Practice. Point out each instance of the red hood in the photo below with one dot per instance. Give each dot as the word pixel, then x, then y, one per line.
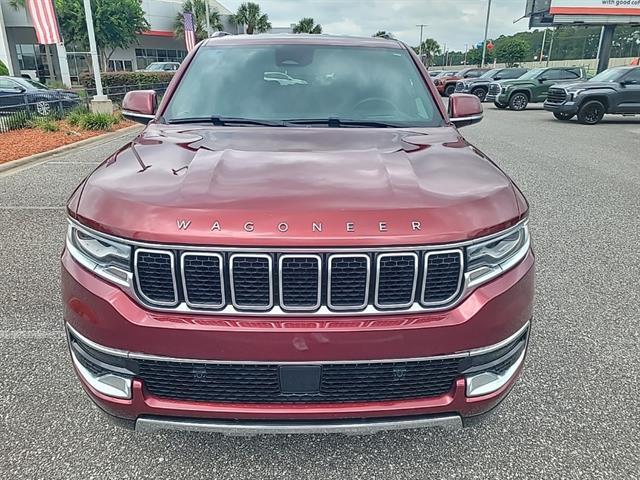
pixel 291 178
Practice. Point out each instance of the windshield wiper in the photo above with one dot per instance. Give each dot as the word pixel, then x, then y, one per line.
pixel 338 122
pixel 222 121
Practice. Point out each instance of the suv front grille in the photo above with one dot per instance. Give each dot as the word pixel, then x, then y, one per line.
pixel 494 89
pixel 295 282
pixel 556 95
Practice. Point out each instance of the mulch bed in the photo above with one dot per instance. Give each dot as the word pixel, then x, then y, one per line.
pixel 29 141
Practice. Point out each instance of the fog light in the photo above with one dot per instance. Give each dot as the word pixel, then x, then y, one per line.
pixel 108 384
pixel 484 383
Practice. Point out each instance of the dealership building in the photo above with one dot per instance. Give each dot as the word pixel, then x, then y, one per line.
pixel 20 51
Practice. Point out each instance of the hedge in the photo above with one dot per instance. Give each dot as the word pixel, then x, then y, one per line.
pixel 120 79
pixel 3 69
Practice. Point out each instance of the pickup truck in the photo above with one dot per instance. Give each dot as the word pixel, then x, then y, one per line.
pixel 616 90
pixel 532 87
pixel 446 84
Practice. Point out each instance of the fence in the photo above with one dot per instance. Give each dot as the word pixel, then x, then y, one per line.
pixel 18 108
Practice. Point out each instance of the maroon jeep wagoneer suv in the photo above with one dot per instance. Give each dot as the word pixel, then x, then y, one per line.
pixel 299 241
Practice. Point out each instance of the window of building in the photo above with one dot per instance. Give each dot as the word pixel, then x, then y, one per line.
pixel 146 56
pixel 120 66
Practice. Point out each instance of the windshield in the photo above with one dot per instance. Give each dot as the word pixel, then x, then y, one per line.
pixel 304 82
pixel 155 66
pixel 610 75
pixel 490 73
pixel 531 73
pixel 31 84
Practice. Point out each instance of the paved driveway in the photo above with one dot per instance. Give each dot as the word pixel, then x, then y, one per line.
pixel 573 415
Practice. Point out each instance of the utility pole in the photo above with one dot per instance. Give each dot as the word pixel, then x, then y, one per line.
pixel 544 40
pixel 486 31
pixel 466 49
pixel 553 35
pixel 421 25
pixel 100 102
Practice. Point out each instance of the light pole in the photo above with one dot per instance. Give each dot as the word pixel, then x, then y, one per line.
pixel 100 102
pixel 486 31
pixel 421 25
pixel 206 8
pixel 466 49
pixel 544 39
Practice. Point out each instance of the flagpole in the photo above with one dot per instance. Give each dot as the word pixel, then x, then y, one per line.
pixel 100 102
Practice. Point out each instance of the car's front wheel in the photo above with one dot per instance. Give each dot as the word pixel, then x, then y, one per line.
pixel 449 90
pixel 591 112
pixel 563 116
pixel 479 92
pixel 518 101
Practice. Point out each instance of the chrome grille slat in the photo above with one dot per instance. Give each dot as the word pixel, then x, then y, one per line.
pixel 348 281
pixel 367 281
pixel 300 280
pixel 251 281
pixel 203 279
pixel 440 286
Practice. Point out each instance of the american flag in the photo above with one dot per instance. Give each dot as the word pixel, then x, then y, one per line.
pixel 189 34
pixel 44 21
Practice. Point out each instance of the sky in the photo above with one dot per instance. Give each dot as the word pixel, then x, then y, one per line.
pixel 451 22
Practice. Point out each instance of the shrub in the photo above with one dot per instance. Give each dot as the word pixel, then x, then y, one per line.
pixel 121 79
pixel 43 123
pixel 3 69
pixel 56 85
pixel 97 121
pixel 74 117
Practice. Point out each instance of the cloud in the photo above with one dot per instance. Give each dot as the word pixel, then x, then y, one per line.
pixel 451 22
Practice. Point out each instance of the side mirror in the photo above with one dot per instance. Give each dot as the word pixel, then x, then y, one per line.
pixel 464 109
pixel 542 79
pixel 140 106
pixel 624 83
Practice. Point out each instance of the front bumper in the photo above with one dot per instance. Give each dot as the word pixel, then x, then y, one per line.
pixel 570 108
pixel 102 315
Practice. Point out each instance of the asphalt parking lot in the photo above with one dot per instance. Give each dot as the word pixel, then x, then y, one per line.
pixel 574 414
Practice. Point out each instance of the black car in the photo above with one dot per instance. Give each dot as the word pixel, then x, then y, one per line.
pixel 480 86
pixel 23 94
pixel 615 91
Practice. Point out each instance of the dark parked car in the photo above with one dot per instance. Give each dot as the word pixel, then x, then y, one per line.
pixel 480 86
pixel 616 90
pixel 23 94
pixel 446 84
pixel 532 87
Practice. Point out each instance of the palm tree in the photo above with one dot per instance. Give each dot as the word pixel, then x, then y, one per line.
pixel 306 25
pixel 252 18
pixel 430 48
pixel 199 9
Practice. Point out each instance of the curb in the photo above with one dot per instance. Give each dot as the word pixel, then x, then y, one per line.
pixel 43 157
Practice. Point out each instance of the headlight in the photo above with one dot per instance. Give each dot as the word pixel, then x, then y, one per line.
pixel 436 82
pixel 107 258
pixel 490 258
pixel 505 88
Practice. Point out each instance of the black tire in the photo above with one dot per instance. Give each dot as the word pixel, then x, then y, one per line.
pixel 563 116
pixel 591 112
pixel 518 101
pixel 501 106
pixel 479 92
pixel 449 90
